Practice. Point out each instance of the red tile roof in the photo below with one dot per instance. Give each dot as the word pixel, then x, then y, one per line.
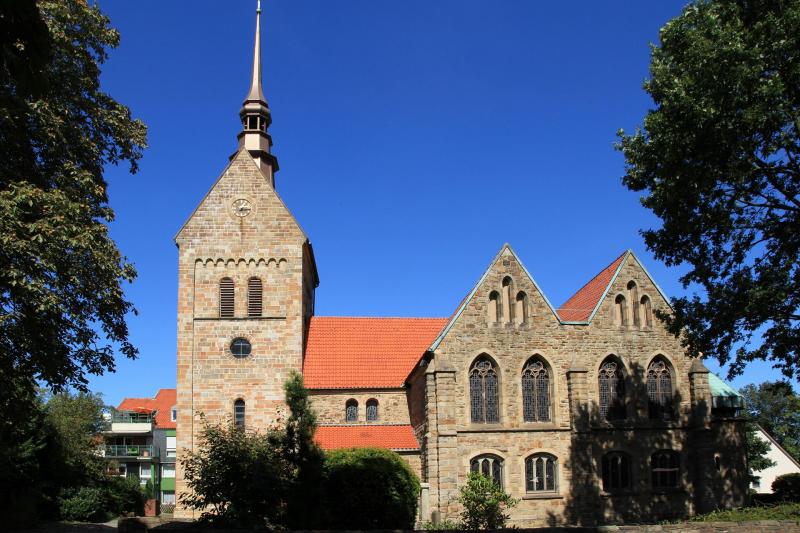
pixel 580 306
pixel 389 437
pixel 365 353
pixel 163 403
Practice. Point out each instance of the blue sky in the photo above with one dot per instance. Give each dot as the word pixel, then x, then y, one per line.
pixel 414 139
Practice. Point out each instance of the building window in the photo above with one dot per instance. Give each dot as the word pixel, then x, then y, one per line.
pixel 535 392
pixel 254 306
pixel 351 411
pixel 633 296
pixel 612 391
pixel 240 347
pixel 647 312
pixel 494 307
pixel 541 473
pixel 145 472
pixel 226 298
pixel 506 318
pixel 171 446
pixel 168 497
pixel 616 472
pixel 490 466
pixel 521 308
pixel 238 413
pixel 483 392
pixel 659 390
pixel 173 414
pixel 664 469
pixel 372 410
pixel 167 471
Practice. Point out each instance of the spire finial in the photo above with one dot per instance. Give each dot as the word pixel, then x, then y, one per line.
pixel 256 92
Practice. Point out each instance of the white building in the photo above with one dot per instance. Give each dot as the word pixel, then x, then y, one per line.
pixel 784 464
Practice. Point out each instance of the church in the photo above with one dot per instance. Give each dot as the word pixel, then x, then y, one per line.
pixel 586 412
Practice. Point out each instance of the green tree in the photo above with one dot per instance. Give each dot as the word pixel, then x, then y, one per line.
pixel 485 503
pixel 62 307
pixel 718 161
pixel 757 449
pixel 776 408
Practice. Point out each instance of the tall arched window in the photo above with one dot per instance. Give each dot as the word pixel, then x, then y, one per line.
pixel 620 311
pixel 616 471
pixel 490 466
pixel 659 389
pixel 612 390
pixel 633 296
pixel 238 413
pixel 506 300
pixel 521 308
pixel 351 410
pixel 664 469
pixel 647 312
pixel 372 410
pixel 494 307
pixel 541 473
pixel 484 392
pixel 226 298
pixel 254 305
pixel 535 391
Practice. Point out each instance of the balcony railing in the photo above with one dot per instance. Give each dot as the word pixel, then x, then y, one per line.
pixel 130 450
pixel 128 417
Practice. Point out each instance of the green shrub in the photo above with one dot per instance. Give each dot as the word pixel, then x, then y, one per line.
pixel 124 496
pixel 787 487
pixel 484 502
pixel 84 504
pixel 443 525
pixel 369 488
pixel 149 491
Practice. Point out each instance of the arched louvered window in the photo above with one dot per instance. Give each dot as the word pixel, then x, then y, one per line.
pixel 506 319
pixel 521 308
pixel 494 307
pixel 612 390
pixel 621 311
pixel 484 392
pixel 351 411
pixel 647 312
pixel 226 298
pixel 490 466
pixel 633 296
pixel 535 391
pixel 254 305
pixel 372 410
pixel 616 472
pixel 238 413
pixel 659 389
pixel 541 473
pixel 664 469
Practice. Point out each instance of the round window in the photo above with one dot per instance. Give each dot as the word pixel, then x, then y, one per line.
pixel 240 347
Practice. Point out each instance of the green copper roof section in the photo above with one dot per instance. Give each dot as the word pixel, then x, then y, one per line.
pixel 720 388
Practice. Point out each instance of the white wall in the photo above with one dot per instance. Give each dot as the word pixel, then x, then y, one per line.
pixel 783 465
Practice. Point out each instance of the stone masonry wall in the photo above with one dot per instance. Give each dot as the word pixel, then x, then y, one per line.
pixel 392 405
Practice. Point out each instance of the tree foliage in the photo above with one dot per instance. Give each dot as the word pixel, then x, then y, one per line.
pixel 787 487
pixel 717 161
pixel 485 503
pixel 757 450
pixel 62 307
pixel 776 408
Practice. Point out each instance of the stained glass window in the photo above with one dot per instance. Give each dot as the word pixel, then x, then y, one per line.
pixel 351 411
pixel 484 392
pixel 616 472
pixel 541 471
pixel 238 413
pixel 372 410
pixel 490 466
pixel 535 392
pixel 659 390
pixel 664 469
pixel 612 391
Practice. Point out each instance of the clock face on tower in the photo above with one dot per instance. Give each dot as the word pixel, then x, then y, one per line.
pixel 241 207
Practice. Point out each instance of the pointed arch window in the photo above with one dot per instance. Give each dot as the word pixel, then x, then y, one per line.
pixel 254 297
pixel 490 466
pixel 494 307
pixel 612 390
pixel 535 391
pixel 541 473
pixel 659 390
pixel 238 413
pixel 351 410
pixel 521 308
pixel 621 310
pixel 647 312
pixel 372 410
pixel 664 469
pixel 616 472
pixel 484 392
pixel 226 301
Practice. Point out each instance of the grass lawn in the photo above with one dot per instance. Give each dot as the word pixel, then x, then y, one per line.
pixel 783 511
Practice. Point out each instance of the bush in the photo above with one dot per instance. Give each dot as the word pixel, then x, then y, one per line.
pixel 787 487
pixel 484 502
pixel 84 504
pixel 124 496
pixel 369 488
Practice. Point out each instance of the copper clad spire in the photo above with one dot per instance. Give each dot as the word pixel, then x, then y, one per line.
pixel 255 115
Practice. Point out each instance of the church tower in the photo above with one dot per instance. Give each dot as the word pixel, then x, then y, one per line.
pixel 246 282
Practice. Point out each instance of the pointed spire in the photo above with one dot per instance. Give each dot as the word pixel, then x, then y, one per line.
pixel 255 115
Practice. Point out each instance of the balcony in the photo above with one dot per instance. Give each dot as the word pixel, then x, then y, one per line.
pixel 129 451
pixel 125 422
